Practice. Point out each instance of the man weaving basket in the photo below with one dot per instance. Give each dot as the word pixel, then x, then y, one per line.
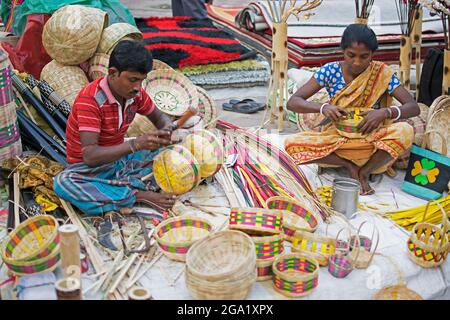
pixel 105 171
pixel 357 83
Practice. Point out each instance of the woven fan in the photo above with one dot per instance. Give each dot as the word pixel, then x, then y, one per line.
pixel 171 91
pixel 206 108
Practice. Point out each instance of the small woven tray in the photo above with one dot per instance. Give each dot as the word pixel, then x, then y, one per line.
pixel 256 220
pixel 176 235
pixel 397 292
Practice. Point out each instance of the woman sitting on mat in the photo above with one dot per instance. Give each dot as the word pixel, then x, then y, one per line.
pixel 355 83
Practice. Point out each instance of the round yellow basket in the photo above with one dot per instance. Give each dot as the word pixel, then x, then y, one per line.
pixel 72 34
pixel 176 235
pixel 207 149
pixel 176 170
pixel 116 32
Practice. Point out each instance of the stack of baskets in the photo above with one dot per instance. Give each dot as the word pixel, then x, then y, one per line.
pixel 221 266
pixel 265 228
pixel 33 247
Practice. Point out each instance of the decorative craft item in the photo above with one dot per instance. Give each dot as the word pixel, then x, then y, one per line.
pixel 171 91
pixel 68 81
pixel 280 11
pixel 207 149
pixel 428 172
pixel 295 216
pixel 33 246
pixel 267 249
pixel 428 244
pixel 72 34
pixel 295 274
pixel 116 32
pixel 256 220
pixel 176 235
pixel 320 247
pixel 362 249
pixel 176 170
pixel 348 127
pixel 206 108
pixel 221 266
pixel 406 10
pixel 140 125
pixel 98 66
pixel 340 265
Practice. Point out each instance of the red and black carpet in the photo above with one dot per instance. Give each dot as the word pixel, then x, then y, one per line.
pixel 183 41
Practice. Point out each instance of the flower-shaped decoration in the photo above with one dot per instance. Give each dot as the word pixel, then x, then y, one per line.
pixel 425 171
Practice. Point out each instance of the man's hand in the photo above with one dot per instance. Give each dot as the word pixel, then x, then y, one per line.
pixel 332 112
pixel 372 120
pixel 154 140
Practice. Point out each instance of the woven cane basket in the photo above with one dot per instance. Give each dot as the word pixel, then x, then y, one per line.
pixel 33 246
pixel 264 270
pixel 66 80
pixel 116 32
pixel 176 235
pixel 349 128
pixel 362 248
pixel 428 244
pixel 6 89
pixel 159 65
pixel 10 142
pixel 295 216
pixel 72 34
pixel 206 108
pixel 171 91
pixel 207 149
pixel 319 247
pixel 98 66
pixel 176 170
pixel 140 125
pixel 256 221
pixel 295 274
pixel 397 292
pixel 221 266
pixel 439 119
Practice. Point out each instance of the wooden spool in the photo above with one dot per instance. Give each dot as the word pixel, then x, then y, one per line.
pixel 139 293
pixel 68 289
pixel 70 250
pixel 446 74
pixel 405 61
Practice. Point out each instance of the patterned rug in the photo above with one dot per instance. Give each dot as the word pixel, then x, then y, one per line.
pixel 183 41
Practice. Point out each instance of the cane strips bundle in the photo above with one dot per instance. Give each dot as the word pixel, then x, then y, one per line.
pixel 295 274
pixel 176 235
pixel 33 246
pixel 363 8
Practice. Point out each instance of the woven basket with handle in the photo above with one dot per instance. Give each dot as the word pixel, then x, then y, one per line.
pixel 221 266
pixel 72 34
pixel 116 32
pixel 68 81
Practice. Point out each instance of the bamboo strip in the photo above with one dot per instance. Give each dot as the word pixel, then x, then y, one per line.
pixel 143 272
pixel 16 178
pixel 146 256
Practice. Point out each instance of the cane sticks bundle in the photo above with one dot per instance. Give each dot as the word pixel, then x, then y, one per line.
pixel 406 10
pixel 363 8
pixel 280 12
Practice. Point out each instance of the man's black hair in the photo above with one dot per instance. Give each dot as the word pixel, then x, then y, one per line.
pixel 130 55
pixel 359 33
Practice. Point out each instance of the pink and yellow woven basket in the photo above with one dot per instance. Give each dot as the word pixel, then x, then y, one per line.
pixel 256 220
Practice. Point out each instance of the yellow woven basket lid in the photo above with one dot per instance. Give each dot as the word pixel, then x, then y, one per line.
pixel 72 34
pixel 176 170
pixel 116 32
pixel 66 80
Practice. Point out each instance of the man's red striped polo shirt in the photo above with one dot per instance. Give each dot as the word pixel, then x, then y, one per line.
pixel 96 110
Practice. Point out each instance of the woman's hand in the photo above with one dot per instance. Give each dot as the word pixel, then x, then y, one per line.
pixel 372 120
pixel 333 112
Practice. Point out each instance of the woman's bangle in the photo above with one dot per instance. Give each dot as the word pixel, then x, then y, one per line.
pixel 399 112
pixel 322 106
pixel 389 111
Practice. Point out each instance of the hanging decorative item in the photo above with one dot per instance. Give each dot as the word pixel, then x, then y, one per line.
pixel 406 10
pixel 442 9
pixel 280 11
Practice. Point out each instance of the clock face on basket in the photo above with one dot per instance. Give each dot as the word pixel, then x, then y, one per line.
pixel 171 91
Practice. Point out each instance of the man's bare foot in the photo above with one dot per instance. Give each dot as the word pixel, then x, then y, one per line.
pixel 158 201
pixel 366 189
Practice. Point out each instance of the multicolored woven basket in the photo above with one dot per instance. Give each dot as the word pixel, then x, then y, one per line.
pixel 268 247
pixel 6 89
pixel 176 170
pixel 256 220
pixel 264 269
pixel 33 246
pixel 98 66
pixel 295 274
pixel 176 235
pixel 339 266
pixel 349 128
pixel 295 216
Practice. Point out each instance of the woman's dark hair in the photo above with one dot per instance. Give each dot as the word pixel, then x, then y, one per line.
pixel 359 33
pixel 129 55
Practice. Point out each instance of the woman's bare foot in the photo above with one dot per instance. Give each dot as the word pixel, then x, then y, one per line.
pixel 353 171
pixel 158 201
pixel 366 189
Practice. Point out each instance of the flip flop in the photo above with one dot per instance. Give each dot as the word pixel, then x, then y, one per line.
pixel 261 106
pixel 241 107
